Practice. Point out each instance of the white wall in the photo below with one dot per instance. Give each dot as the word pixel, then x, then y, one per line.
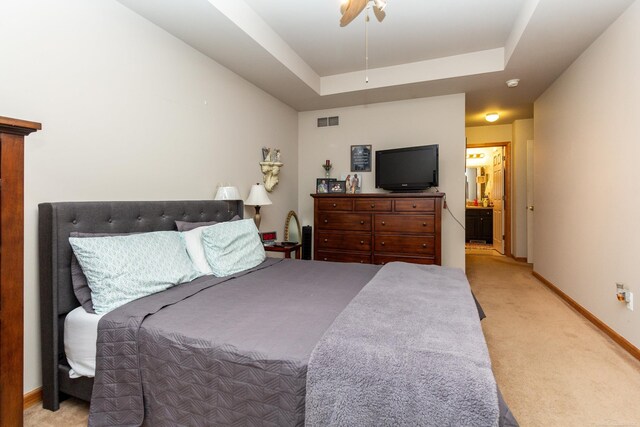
pixel 128 113
pixel 587 149
pixel 522 131
pixel 437 120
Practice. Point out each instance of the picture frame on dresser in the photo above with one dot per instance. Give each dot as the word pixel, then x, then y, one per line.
pixel 337 187
pixel 322 185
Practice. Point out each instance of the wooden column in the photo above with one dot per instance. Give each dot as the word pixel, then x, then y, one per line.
pixel 12 133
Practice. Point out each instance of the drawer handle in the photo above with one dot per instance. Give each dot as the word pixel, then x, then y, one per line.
pixel 383 223
pixel 424 224
pixel 362 242
pixel 373 205
pixel 334 205
pixel 424 245
pixel 362 222
pixel 326 240
pixel 325 259
pixel 361 262
pixel 414 206
pixel 382 243
pixel 326 221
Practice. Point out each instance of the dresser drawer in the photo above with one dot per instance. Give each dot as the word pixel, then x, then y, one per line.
pixel 335 205
pixel 373 205
pixel 344 221
pixel 405 223
pixel 343 257
pixel 420 245
pixel 385 259
pixel 415 205
pixel 344 241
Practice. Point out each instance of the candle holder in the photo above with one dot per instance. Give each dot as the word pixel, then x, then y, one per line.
pixel 327 169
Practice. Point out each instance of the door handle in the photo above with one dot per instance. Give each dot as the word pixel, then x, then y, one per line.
pixel 530 208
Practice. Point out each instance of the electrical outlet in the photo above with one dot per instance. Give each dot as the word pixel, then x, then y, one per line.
pixel 629 299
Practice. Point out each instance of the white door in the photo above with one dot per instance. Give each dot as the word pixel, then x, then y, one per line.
pixel 497 195
pixel 530 204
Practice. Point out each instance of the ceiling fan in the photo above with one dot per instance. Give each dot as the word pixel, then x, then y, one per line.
pixel 352 8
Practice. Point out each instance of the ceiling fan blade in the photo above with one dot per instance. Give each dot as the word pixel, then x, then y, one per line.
pixel 353 9
pixel 380 14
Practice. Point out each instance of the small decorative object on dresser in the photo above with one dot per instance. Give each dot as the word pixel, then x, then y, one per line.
pixel 327 168
pixel 378 228
pixel 353 182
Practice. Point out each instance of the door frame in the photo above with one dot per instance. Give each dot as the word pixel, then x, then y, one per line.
pixel 507 187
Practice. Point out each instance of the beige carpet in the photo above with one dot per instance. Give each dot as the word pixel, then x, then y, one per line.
pixel 553 367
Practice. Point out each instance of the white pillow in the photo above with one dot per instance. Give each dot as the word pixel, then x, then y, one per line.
pixel 193 241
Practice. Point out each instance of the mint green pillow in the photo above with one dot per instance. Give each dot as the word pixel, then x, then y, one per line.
pixel 120 269
pixel 233 246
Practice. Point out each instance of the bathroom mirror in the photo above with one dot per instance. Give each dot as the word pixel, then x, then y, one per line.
pixel 292 228
pixel 477 179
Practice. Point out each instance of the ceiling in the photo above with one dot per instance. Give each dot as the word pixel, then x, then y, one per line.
pixel 296 50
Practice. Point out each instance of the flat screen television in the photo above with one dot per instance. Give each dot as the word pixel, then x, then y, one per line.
pixel 407 169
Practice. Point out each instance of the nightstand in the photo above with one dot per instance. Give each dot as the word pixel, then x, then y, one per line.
pixel 286 249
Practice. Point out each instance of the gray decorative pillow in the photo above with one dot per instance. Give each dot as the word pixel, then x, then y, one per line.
pixel 188 226
pixel 78 279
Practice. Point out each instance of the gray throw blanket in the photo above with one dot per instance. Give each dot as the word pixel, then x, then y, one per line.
pixel 407 351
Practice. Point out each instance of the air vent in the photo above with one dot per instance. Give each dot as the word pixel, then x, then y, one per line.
pixel 328 121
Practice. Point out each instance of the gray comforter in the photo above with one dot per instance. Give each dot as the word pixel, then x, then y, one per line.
pixel 220 351
pixel 407 351
pixel 223 351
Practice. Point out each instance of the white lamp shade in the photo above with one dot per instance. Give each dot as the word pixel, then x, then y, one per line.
pixel 228 193
pixel 257 196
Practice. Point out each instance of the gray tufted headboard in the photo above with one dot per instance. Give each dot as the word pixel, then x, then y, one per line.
pixel 56 222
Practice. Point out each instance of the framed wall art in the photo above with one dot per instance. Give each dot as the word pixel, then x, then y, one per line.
pixel 361 158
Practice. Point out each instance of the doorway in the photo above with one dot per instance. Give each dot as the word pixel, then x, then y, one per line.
pixel 488 198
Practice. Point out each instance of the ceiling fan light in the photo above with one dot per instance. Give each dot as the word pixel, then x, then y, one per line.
pixel 492 117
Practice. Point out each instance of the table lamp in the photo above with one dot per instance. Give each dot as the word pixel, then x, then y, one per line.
pixel 229 192
pixel 257 198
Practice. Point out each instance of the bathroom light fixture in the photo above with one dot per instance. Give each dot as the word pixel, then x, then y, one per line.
pixel 492 117
pixel 475 156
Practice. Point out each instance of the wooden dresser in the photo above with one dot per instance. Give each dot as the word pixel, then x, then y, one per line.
pixel 12 133
pixel 378 228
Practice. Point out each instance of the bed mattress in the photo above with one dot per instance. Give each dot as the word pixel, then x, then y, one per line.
pixel 80 335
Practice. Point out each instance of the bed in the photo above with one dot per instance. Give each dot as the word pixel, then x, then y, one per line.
pixel 255 348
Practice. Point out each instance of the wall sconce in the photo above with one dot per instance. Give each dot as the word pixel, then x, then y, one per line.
pixel 257 198
pixel 270 170
pixel 492 117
